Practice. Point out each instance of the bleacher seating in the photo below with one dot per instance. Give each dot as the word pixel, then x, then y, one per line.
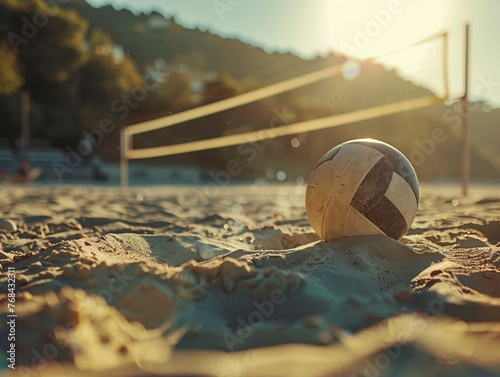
pixel 50 162
pixel 43 159
pixel 8 161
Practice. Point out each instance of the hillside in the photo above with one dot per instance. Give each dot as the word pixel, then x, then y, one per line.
pixel 204 51
pixel 201 67
pixel 485 133
pixel 147 37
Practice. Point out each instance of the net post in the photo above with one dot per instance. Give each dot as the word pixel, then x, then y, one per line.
pixel 123 158
pixel 445 66
pixel 465 163
pixel 25 119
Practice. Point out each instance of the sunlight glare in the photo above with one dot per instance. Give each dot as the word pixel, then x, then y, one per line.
pixel 377 29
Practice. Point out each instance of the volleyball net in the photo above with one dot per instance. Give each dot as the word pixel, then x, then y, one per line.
pixel 408 79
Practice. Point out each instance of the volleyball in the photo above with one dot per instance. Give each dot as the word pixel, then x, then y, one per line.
pixel 362 187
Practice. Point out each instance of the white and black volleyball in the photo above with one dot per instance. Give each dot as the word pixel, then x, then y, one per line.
pixel 362 187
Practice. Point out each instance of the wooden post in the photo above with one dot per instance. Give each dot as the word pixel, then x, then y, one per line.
pixel 465 121
pixel 446 64
pixel 123 158
pixel 25 119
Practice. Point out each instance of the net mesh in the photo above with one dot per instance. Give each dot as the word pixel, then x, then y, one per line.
pixel 354 91
pixel 424 64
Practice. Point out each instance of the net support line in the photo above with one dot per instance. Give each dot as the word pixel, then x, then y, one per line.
pixel 289 129
pixel 239 100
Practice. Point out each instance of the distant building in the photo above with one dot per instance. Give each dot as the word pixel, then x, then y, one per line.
pixel 118 52
pixel 158 22
pixel 197 78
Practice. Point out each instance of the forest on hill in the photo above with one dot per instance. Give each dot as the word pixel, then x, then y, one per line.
pixel 82 64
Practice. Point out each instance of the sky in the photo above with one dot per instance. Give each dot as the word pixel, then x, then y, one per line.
pixel 360 28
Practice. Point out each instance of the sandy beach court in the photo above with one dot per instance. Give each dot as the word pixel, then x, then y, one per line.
pixel 193 281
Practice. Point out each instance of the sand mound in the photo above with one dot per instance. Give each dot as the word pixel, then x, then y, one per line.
pixel 145 295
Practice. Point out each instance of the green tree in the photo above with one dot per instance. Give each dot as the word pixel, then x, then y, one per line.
pixel 52 52
pixel 176 91
pixel 48 47
pixel 11 80
pixel 221 87
pixel 105 77
pixel 100 41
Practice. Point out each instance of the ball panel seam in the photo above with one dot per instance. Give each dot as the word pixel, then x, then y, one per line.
pixel 402 196
pixel 386 216
pixel 374 186
pixel 358 225
pixel 361 161
pixel 400 163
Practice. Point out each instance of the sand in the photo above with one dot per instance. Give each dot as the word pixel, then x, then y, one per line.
pixel 190 281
